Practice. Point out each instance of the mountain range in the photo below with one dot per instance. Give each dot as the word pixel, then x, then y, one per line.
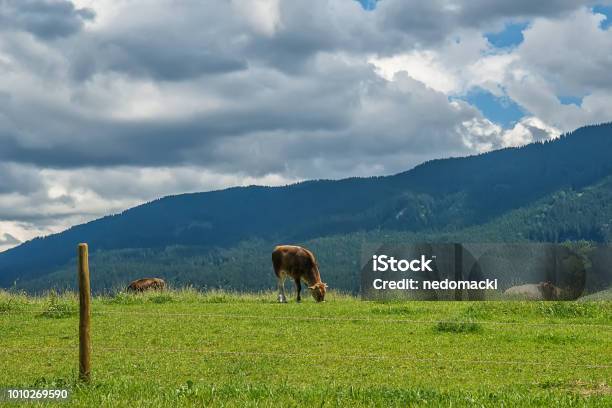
pixel 547 191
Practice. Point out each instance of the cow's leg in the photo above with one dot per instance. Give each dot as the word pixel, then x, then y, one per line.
pixel 282 298
pixel 298 288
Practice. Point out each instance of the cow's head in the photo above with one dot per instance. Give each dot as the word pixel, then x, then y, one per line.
pixel 318 291
pixel 550 291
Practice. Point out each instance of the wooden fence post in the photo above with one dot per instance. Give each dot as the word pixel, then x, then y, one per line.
pixel 84 315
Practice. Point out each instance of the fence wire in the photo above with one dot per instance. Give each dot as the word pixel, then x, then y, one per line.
pixel 301 356
pixel 321 318
pixel 140 350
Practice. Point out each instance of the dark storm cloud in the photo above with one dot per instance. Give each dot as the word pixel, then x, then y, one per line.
pixel 41 216
pixel 423 21
pixel 210 38
pixel 202 38
pixel 70 140
pixel 157 97
pixel 302 80
pixel 18 179
pixel 160 57
pixel 478 11
pixel 191 40
pixel 341 108
pixel 43 18
pixel 427 22
pixel 308 28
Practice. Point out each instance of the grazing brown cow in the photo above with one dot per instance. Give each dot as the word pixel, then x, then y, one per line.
pixel 300 264
pixel 144 284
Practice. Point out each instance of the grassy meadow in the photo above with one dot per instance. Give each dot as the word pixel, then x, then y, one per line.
pixel 189 348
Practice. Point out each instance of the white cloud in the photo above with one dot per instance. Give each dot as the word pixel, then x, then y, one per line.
pixel 99 113
pixel 420 65
pixel 552 62
pixel 65 197
pixel 573 54
pixel 527 130
pixel 262 15
pixel 564 57
pixel 448 68
pixel 7 240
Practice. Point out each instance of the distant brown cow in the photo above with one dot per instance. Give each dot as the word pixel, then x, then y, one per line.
pixel 145 284
pixel 300 264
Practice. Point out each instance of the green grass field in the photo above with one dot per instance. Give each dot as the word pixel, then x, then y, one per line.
pixel 186 348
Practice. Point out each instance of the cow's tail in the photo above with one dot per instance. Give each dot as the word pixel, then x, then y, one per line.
pixel 276 261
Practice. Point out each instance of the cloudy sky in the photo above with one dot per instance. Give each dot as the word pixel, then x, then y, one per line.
pixel 105 104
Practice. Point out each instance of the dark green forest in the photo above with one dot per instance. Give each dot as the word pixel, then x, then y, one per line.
pixel 555 191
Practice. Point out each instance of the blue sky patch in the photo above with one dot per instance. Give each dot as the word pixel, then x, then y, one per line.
pixel 570 100
pixel 510 36
pixel 501 110
pixel 368 4
pixel 607 11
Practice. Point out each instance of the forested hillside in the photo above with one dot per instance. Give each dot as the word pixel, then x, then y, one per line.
pixel 554 191
pixel 566 215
